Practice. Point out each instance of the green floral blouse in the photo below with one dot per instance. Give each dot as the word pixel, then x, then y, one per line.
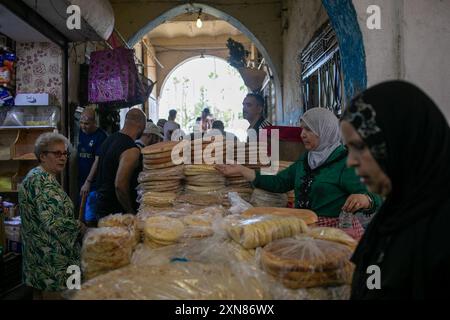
pixel 49 232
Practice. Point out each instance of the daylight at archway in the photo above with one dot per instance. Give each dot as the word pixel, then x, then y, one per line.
pixel 205 82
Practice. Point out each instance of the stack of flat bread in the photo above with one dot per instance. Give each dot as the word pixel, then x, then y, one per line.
pixel 307 262
pixel 105 249
pixel 203 200
pixel 203 179
pixel 161 179
pixel 126 221
pixel 162 231
pixel 203 150
pixel 333 234
pixel 262 198
pixel 256 232
pixel 237 183
pixel 198 225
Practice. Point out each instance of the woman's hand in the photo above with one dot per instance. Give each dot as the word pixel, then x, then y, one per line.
pixel 356 202
pixel 236 169
pixel 229 169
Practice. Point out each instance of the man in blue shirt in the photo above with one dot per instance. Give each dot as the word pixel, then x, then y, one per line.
pixel 90 140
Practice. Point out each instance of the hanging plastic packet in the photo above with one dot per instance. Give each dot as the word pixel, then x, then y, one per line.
pixel 345 220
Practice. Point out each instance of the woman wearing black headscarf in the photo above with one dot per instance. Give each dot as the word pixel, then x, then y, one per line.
pixel 399 144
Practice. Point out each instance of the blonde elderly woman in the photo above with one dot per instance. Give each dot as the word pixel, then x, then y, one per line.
pixel 320 178
pixel 49 229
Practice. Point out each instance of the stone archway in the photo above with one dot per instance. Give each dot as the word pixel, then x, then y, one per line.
pixel 176 11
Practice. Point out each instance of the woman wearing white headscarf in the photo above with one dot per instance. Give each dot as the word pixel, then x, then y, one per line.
pixel 320 178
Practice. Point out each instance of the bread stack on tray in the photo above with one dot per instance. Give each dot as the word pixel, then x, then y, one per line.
pixel 161 179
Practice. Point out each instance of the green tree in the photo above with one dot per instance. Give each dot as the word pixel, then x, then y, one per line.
pixel 184 108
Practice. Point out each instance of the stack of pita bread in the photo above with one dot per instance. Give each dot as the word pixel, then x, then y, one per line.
pixel 162 231
pixel 161 179
pixel 305 262
pixel 203 150
pixel 239 184
pixel 203 179
pixel 126 221
pixel 262 198
pixel 106 249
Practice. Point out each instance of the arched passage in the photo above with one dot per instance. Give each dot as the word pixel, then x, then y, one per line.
pixel 343 18
pixel 200 82
pixel 176 11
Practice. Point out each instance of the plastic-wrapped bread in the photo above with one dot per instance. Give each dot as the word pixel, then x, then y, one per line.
pixel 162 230
pixel 127 221
pixel 306 262
pixel 333 234
pixel 262 198
pixel 105 249
pixel 259 231
pixel 307 215
pixel 173 281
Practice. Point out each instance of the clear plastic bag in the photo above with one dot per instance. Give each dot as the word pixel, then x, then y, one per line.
pixel 105 249
pixel 262 198
pixel 127 221
pixel 305 262
pixel 259 231
pixel 238 205
pixel 173 281
pixel 333 234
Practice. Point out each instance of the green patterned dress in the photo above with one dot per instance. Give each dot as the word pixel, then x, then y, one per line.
pixel 49 232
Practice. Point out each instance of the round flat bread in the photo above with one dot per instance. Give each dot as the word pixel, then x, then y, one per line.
pixel 198 232
pixel 160 147
pixel 207 184
pixel 304 255
pixel 205 189
pixel 161 178
pixel 190 169
pixel 333 234
pixel 198 220
pixel 204 200
pixel 159 166
pixel 163 229
pixel 158 161
pixel 169 181
pixel 157 155
pixel 308 279
pixel 306 215
pixel 175 189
